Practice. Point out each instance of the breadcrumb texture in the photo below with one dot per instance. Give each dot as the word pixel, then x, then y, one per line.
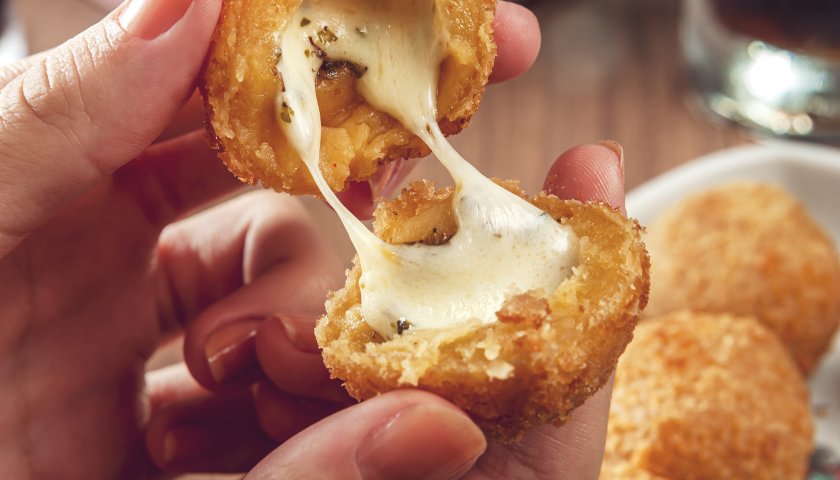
pixel 749 249
pixel 707 397
pixel 544 356
pixel 240 85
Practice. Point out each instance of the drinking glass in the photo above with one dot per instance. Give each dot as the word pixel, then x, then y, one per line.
pixel 771 65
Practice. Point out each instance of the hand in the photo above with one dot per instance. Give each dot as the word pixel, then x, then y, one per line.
pixel 90 286
pixel 400 435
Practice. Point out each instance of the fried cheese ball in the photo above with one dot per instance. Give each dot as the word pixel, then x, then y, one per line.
pixel 240 85
pixel 707 397
pixel 543 357
pixel 749 249
pixel 546 354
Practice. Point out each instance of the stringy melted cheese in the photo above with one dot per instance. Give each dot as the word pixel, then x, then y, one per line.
pixel 504 245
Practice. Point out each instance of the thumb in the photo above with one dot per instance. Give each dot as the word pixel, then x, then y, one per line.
pixel 91 105
pixel 399 435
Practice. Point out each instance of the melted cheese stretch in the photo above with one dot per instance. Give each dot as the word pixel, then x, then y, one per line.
pixel 504 245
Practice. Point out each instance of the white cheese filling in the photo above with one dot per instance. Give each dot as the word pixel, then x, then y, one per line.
pixel 504 245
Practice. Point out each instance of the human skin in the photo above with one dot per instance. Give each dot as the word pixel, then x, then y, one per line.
pixel 100 264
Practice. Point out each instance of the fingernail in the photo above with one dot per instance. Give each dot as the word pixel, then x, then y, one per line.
pixel 617 148
pixel 148 19
pixel 421 442
pixel 231 351
pixel 184 443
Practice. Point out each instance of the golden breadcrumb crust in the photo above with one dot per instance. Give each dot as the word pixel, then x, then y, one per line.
pixel 544 356
pixel 753 250
pixel 240 85
pixel 707 397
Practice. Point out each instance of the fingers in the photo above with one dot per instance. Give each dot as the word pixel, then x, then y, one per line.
pixel 222 361
pixel 188 119
pixel 192 430
pixel 589 172
pixel 95 103
pixel 575 450
pixel 209 256
pixel 389 176
pixel 171 179
pixel 188 427
pixel 359 199
pixel 226 271
pixel 15 69
pixel 403 434
pixel 517 39
pixel 571 452
pixel 290 358
pixel 283 416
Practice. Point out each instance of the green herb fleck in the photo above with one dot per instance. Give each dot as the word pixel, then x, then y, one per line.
pixel 286 113
pixel 402 326
pixel 332 68
pixel 326 36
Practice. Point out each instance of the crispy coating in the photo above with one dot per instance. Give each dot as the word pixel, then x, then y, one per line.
pixel 707 397
pixel 544 356
pixel 240 85
pixel 749 249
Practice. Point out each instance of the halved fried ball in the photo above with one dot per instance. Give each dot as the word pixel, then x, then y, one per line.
pixel 241 83
pixel 707 397
pixel 749 249
pixel 543 357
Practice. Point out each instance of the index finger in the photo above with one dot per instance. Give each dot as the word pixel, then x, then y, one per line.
pixel 64 125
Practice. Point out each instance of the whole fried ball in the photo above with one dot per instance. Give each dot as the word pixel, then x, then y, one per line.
pixel 749 249
pixel 543 357
pixel 707 397
pixel 241 83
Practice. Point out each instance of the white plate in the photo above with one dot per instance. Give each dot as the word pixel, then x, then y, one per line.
pixel 810 173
